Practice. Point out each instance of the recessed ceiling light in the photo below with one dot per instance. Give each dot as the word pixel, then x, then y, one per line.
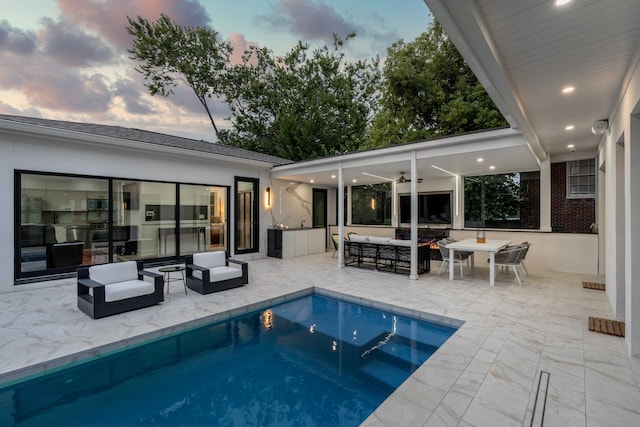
pixel 492 167
pixel 570 146
pixel 355 180
pixel 311 181
pixel 568 89
pixel 333 176
pixel 561 2
pixel 479 159
pixel 570 127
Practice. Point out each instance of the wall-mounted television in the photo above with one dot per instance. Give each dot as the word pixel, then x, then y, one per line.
pixel 433 208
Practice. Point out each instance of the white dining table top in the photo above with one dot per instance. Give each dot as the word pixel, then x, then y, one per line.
pixel 490 245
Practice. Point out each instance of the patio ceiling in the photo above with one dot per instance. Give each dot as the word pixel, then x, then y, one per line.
pixel 505 149
pixel 526 52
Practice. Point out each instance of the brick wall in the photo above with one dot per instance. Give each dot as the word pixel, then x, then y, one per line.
pixel 569 215
pixel 530 207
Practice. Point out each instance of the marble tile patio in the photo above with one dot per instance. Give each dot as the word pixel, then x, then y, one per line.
pixel 485 375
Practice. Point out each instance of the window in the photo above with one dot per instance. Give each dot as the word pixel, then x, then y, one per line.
pixel 68 221
pixel 371 204
pixel 581 179
pixel 502 201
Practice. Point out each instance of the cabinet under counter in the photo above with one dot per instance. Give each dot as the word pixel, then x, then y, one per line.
pixel 295 242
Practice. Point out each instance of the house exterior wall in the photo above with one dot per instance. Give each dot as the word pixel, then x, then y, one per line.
pixel 569 215
pixel 624 129
pixel 136 162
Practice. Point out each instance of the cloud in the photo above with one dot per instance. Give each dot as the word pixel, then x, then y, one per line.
pixel 69 91
pixel 109 17
pixel 132 97
pixel 15 40
pixel 70 46
pixel 239 44
pixel 310 20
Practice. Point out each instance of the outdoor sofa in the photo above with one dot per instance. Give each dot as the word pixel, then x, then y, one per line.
pixel 384 253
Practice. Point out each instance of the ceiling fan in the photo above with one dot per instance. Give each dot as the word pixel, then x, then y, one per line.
pixel 402 179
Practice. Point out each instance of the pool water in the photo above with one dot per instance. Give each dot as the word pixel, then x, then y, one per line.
pixel 312 361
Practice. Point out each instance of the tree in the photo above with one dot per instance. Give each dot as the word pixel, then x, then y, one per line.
pixel 170 52
pixel 429 91
pixel 302 105
pixel 493 200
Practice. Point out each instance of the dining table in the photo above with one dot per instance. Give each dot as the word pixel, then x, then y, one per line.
pixel 489 245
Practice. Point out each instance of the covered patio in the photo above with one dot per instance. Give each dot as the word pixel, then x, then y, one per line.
pixel 486 374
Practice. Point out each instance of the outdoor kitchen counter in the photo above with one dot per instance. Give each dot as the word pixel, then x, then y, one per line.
pixel 295 242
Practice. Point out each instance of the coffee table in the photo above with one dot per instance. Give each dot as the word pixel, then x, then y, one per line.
pixel 166 271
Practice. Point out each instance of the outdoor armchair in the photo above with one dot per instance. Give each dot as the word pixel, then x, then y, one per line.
pixel 107 289
pixel 209 272
pixel 512 256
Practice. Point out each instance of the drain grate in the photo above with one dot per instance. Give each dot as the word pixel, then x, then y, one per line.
pixel 537 414
pixel 593 285
pixel 606 326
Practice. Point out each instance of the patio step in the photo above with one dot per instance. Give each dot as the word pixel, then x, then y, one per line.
pixel 384 372
pixel 391 359
pixel 398 350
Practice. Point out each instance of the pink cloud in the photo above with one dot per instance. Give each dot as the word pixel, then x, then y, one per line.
pixel 310 20
pixel 239 44
pixel 109 17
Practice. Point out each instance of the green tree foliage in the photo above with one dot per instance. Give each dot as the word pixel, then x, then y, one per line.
pixel 492 199
pixel 170 53
pixel 429 91
pixel 303 105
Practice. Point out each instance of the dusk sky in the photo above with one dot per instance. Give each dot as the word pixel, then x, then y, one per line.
pixel 68 60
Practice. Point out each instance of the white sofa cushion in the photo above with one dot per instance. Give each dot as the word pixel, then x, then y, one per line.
pixel 114 273
pixel 127 289
pixel 358 239
pixel 210 259
pixel 379 240
pixel 217 274
pixel 397 242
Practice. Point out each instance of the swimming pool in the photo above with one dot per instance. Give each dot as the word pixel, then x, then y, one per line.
pixel 311 361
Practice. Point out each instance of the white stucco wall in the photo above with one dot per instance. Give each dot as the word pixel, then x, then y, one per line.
pixel 565 252
pixel 622 128
pixel 149 162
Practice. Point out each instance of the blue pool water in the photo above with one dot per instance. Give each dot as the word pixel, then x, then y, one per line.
pixel 312 361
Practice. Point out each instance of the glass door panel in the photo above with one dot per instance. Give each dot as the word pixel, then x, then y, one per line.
pixel 246 232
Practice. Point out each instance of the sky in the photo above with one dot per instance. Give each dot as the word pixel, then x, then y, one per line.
pixel 68 60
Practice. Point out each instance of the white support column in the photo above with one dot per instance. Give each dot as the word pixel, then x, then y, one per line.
pixel 632 237
pixel 414 217
pixel 545 195
pixel 340 202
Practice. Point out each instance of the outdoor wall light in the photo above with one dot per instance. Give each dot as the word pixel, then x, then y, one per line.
pixel 268 195
pixel 373 204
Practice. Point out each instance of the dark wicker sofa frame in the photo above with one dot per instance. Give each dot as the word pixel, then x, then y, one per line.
pixel 206 286
pixel 385 256
pixel 96 306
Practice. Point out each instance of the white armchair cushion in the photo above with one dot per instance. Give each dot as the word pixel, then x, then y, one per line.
pixel 210 259
pixel 359 239
pixel 379 240
pixel 397 242
pixel 114 273
pixel 127 289
pixel 217 274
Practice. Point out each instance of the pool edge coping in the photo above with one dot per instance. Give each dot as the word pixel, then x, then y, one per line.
pixel 42 368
